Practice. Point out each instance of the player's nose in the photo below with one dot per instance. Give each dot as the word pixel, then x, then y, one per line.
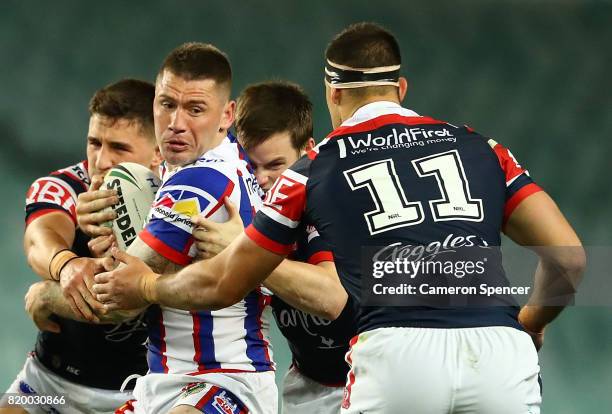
pixel 104 161
pixel 177 121
pixel 262 179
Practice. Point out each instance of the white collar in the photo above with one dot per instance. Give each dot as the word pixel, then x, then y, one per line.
pixel 376 109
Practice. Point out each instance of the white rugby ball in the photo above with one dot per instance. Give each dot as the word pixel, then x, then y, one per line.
pixel 136 186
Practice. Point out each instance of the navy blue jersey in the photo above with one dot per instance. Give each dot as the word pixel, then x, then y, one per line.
pixel 318 346
pixel 389 176
pixel 100 356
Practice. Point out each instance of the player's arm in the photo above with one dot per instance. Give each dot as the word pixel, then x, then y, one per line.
pixel 297 283
pixel 538 224
pixel 207 284
pixel 44 237
pixel 315 289
pixel 45 298
pixel 532 219
pixel 47 242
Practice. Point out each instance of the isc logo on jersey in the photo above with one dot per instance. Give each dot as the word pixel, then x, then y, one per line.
pixel 176 212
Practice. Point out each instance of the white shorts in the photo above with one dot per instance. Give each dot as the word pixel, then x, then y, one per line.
pixel 211 393
pixel 301 395
pixel 433 371
pixel 35 379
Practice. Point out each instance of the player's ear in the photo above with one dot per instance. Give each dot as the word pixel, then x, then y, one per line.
pixel 310 144
pixel 403 88
pixel 157 159
pixel 336 96
pixel 227 117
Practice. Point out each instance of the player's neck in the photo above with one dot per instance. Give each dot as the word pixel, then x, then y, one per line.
pixel 348 109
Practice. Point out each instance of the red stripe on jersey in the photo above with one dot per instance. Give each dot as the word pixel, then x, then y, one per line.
pixel 323 256
pixel 266 243
pixel 46 211
pixel 264 300
pixel 196 340
pixel 382 120
pixel 227 370
pixel 507 162
pixel 346 400
pixel 163 249
pixel 127 408
pixel 226 193
pixel 243 410
pixel 287 197
pixel 162 340
pixel 211 392
pixel 312 154
pixel 518 197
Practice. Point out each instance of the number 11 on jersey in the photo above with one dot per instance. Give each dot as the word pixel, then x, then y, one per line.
pixel 393 210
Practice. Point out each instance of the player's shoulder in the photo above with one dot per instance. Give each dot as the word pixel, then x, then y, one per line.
pixel 201 174
pixel 72 180
pixel 57 191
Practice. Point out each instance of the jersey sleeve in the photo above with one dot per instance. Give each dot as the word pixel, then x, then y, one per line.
pixel 55 192
pixel 519 185
pixel 187 193
pixel 276 225
pixel 311 248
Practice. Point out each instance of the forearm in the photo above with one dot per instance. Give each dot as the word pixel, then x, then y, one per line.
pixel 556 280
pixel 194 287
pixel 44 237
pixel 215 283
pixel 41 248
pixel 310 288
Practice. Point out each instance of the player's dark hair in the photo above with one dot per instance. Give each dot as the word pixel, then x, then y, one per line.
pixel 197 61
pixel 271 107
pixel 364 45
pixel 129 99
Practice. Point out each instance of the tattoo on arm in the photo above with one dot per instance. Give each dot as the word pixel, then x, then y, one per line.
pixel 154 260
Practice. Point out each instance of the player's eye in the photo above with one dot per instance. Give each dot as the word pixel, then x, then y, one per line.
pixel 121 148
pixel 196 110
pixel 94 143
pixel 277 165
pixel 166 104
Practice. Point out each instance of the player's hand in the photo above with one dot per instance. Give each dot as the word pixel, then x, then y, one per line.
pixel 124 288
pixel 36 307
pixel 76 281
pixel 89 206
pixel 536 333
pixel 100 246
pixel 211 237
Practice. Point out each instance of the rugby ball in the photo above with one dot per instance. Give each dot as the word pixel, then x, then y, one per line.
pixel 136 186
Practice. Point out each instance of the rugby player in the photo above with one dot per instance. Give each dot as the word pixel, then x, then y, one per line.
pixel 274 126
pixel 458 185
pixel 85 363
pixel 200 361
